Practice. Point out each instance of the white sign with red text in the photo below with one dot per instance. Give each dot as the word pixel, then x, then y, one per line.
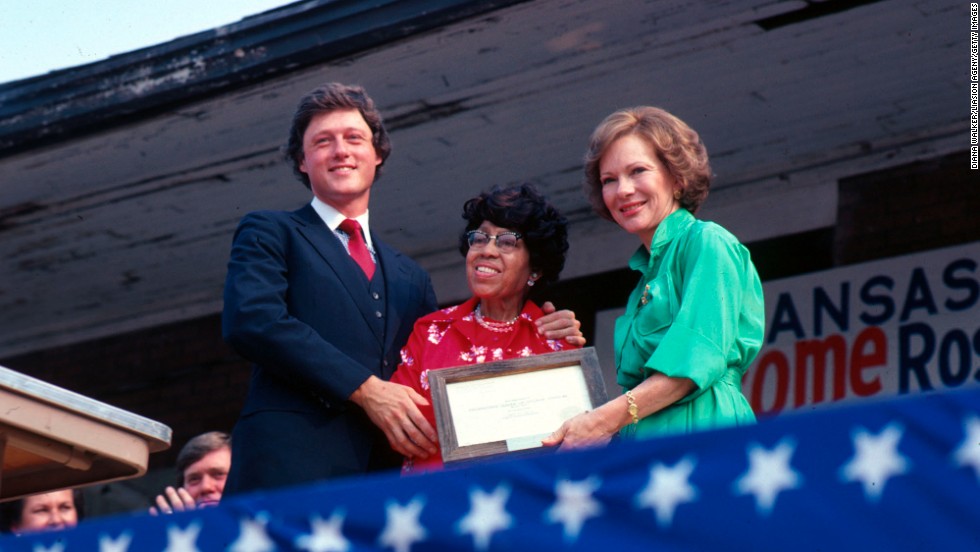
pixel 891 327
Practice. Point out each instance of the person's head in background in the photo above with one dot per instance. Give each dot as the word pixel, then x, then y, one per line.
pixel 202 466
pixel 41 512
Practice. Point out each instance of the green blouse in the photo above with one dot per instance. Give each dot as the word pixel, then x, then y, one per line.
pixel 697 313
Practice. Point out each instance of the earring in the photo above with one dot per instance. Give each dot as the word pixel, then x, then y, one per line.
pixel 677 194
pixel 530 281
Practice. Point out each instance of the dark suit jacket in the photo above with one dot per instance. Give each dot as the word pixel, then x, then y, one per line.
pixel 297 306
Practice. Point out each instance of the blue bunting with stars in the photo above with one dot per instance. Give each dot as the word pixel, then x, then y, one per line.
pixel 902 474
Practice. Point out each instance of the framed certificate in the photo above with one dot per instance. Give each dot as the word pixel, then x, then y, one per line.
pixel 508 406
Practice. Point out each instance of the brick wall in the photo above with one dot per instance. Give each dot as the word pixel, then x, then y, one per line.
pixel 181 375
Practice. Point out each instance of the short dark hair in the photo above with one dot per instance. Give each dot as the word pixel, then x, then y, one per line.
pixel 334 96
pixel 199 447
pixel 11 514
pixel 522 209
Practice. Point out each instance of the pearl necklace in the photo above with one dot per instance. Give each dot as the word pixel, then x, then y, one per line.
pixel 494 326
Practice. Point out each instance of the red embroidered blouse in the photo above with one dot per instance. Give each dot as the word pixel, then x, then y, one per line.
pixel 453 337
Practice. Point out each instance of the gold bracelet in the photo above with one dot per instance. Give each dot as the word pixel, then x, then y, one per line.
pixel 631 407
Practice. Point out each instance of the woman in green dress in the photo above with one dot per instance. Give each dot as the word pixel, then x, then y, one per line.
pixel 695 320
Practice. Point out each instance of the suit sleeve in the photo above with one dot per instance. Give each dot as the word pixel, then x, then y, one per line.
pixel 256 321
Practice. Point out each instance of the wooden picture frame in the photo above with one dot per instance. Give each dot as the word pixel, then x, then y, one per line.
pixel 506 407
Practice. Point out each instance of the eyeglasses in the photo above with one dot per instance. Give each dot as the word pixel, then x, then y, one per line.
pixel 506 241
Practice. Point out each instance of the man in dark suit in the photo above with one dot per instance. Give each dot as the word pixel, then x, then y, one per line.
pixel 322 308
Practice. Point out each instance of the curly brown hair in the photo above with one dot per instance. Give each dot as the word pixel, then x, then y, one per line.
pixel 677 146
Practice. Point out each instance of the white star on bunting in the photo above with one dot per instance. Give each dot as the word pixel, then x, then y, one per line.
pixel 574 505
pixel 327 536
pixel 55 547
pixel 769 474
pixel 876 458
pixel 668 487
pixel 119 544
pixel 183 540
pixel 252 536
pixel 968 453
pixel 486 516
pixel 402 527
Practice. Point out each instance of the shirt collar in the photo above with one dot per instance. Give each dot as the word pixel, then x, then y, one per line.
pixel 332 218
pixel 673 225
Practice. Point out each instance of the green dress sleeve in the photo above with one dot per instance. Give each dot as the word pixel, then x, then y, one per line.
pixel 719 316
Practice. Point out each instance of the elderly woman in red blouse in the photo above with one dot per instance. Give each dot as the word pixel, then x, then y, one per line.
pixel 514 240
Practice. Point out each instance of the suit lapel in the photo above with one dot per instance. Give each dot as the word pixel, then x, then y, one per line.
pixel 318 235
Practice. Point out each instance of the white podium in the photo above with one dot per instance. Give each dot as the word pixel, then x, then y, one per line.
pixel 52 438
